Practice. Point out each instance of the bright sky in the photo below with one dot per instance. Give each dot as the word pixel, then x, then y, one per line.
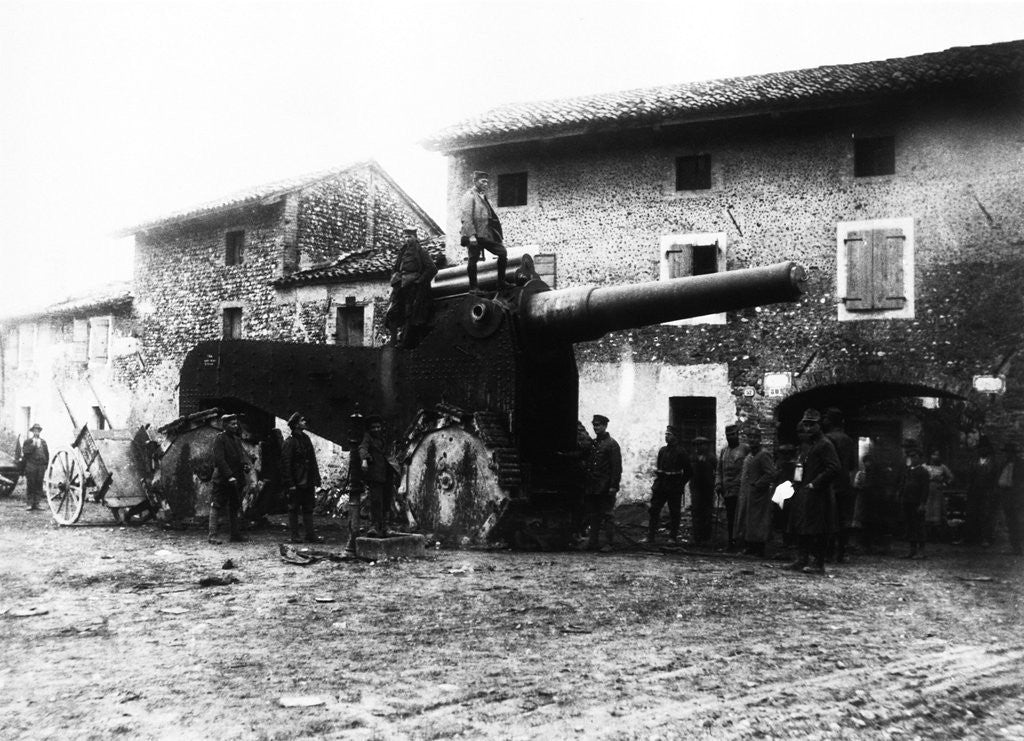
pixel 115 112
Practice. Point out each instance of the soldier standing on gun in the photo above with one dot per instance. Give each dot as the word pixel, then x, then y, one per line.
pixel 300 476
pixel 410 291
pixel 481 229
pixel 604 474
pixel 376 472
pixel 230 464
pixel 670 476
pixel 35 457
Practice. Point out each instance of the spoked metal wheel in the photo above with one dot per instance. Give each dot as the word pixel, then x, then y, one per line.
pixel 65 486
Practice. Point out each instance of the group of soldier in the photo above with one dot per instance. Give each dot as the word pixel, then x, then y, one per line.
pixel 370 473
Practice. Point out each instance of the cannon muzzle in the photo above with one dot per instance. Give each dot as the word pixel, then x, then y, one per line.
pixel 588 312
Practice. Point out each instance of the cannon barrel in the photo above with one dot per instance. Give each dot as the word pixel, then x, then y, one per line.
pixel 588 312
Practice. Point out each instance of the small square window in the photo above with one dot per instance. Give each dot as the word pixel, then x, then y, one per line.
pixel 874 156
pixel 512 189
pixel 234 244
pixel 693 172
pixel 233 323
pixel 349 332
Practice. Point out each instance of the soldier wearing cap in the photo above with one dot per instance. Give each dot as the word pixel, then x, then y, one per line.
pixel 672 471
pixel 409 307
pixel 702 490
pixel 1010 491
pixel 481 229
pixel 727 477
pixel 35 457
pixel 756 485
pixel 604 474
pixel 842 487
pixel 300 475
pixel 914 485
pixel 376 474
pixel 230 464
pixel 813 510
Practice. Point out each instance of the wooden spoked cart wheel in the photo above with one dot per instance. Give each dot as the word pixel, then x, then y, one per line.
pixel 65 485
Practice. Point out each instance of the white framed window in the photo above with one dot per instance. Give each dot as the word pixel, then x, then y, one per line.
pixel 99 338
pixel 686 255
pixel 231 322
pixel 875 269
pixel 350 323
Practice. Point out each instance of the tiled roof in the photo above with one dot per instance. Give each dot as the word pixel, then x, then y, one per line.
pixel 260 193
pixel 362 264
pixel 694 101
pixel 111 297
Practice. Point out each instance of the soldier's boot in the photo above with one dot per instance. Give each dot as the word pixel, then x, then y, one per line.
pixel 293 526
pixel 353 528
pixel 212 536
pixel 235 527
pixel 310 528
pixel 609 529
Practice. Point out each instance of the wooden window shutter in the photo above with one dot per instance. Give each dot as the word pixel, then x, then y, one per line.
pixel 80 341
pixel 544 266
pixel 887 249
pixel 99 330
pixel 858 271
pixel 680 261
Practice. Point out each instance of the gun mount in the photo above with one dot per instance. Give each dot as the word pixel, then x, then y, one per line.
pixel 488 398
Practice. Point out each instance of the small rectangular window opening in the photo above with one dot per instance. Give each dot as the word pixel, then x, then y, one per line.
pixel 233 323
pixel 874 156
pixel 693 172
pixel 512 189
pixel 234 245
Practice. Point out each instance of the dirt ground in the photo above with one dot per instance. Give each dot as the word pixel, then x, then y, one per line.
pixel 125 642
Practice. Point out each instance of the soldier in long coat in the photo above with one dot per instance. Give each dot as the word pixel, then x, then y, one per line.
pixel 727 477
pixel 604 474
pixel 842 487
pixel 409 309
pixel 813 506
pixel 702 490
pixel 756 483
pixel 230 464
pixel 300 475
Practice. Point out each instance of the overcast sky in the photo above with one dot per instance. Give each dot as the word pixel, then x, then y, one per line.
pixel 112 113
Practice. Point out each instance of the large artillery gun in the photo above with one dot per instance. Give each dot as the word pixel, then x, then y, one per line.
pixel 487 399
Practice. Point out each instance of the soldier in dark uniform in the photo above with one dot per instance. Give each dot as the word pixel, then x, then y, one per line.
pixel 702 490
pixel 376 473
pixel 671 473
pixel 230 464
pixel 35 457
pixel 914 486
pixel 842 487
pixel 300 475
pixel 727 478
pixel 813 510
pixel 409 308
pixel 356 482
pixel 604 474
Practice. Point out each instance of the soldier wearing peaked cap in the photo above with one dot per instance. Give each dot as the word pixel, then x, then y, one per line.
pixel 231 463
pixel 409 307
pixel 481 229
pixel 756 484
pixel 604 474
pixel 672 471
pixel 300 475
pixel 377 474
pixel 727 477
pixel 813 505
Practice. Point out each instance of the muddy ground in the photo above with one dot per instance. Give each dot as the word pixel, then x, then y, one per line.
pixel 125 643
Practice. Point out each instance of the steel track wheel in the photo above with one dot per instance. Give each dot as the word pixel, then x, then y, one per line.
pixel 65 486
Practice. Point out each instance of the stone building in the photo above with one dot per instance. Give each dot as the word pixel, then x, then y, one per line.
pixel 60 365
pixel 305 260
pixel 897 185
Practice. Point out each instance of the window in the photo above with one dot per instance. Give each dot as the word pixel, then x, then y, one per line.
pixel 874 156
pixel 693 416
pixel 80 340
pixel 693 172
pixel 99 419
pixel 233 323
pixel 99 338
pixel 875 275
pixel 687 255
pixel 234 244
pixel 512 189
pixel 544 266
pixel 26 344
pixel 349 327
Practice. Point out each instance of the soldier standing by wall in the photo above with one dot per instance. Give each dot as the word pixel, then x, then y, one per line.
pixel 727 478
pixel 35 457
pixel 913 498
pixel 300 475
pixel 1010 490
pixel 481 229
pixel 230 464
pixel 842 487
pixel 756 483
pixel 702 490
pixel 376 473
pixel 671 473
pixel 813 510
pixel 604 474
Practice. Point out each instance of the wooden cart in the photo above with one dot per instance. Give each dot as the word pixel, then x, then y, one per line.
pixel 108 466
